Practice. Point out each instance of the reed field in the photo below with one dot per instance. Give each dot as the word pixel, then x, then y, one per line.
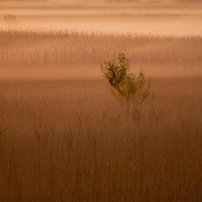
pixel 65 137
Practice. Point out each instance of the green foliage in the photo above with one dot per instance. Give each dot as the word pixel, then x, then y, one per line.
pixel 124 85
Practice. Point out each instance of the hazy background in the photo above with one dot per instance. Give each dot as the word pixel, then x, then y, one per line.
pixel 150 18
pixel 64 136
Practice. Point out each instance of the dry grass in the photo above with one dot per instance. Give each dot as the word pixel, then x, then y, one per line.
pixel 65 47
pixel 67 139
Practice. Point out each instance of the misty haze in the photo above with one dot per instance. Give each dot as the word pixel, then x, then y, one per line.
pixel 147 19
pixel 101 100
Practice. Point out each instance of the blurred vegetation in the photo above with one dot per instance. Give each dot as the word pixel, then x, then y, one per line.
pixel 9 18
pixel 67 140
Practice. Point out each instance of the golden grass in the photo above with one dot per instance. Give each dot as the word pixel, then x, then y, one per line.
pixel 66 47
pixel 67 139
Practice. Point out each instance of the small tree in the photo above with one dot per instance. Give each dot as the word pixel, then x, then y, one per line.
pixel 127 89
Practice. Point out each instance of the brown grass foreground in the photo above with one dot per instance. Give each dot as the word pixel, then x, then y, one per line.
pixel 69 140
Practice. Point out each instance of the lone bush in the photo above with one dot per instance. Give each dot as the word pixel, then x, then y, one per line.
pixel 128 89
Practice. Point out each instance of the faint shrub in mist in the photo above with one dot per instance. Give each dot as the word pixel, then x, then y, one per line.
pixel 10 18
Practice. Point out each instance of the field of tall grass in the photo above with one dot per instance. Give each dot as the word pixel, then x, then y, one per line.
pixel 64 137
